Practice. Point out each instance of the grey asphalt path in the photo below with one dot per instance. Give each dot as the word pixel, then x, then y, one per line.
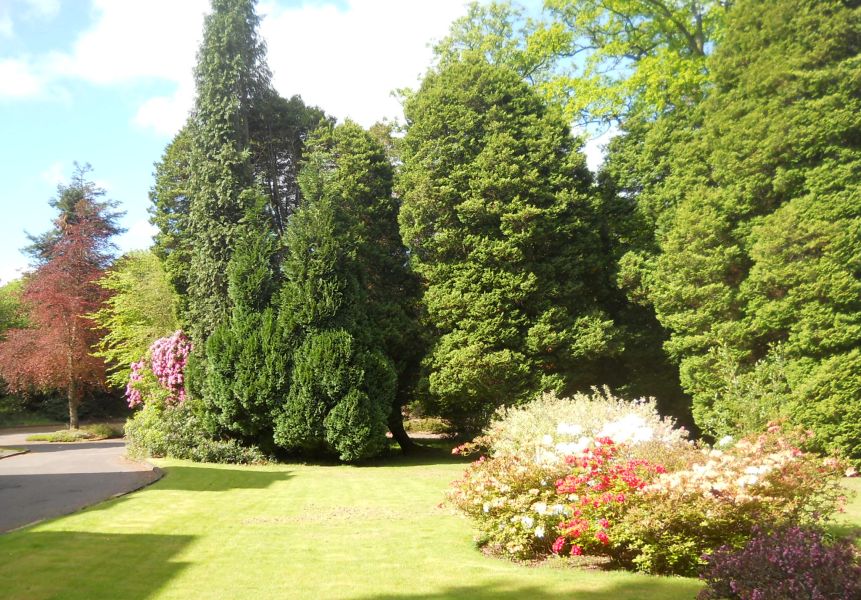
pixel 54 479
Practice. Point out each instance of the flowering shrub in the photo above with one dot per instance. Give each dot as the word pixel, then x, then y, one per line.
pixel 162 372
pixel 597 490
pixel 792 562
pixel 718 500
pixel 551 428
pixel 169 423
pixel 650 501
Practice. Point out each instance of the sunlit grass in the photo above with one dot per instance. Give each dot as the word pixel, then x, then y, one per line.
pixel 290 531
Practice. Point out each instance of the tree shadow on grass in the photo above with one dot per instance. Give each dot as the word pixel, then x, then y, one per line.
pixel 217 478
pixel 87 566
pixel 639 590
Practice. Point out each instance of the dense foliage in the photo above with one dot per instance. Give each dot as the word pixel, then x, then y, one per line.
pixel 500 221
pixel 757 277
pixel 792 562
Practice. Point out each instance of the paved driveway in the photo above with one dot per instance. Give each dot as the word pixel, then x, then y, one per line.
pixel 54 479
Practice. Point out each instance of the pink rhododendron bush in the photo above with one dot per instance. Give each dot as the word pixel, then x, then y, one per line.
pixel 169 422
pixel 160 375
pixel 594 475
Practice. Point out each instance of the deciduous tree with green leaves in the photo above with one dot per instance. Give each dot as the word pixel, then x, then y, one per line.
pixel 140 308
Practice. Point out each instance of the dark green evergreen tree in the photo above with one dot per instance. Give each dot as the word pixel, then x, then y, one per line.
pixel 501 222
pixel 347 302
pixel 279 129
pixel 758 274
pixel 169 212
pixel 231 78
pixel 247 356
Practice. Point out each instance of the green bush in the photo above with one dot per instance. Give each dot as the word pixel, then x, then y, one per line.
pixel 177 431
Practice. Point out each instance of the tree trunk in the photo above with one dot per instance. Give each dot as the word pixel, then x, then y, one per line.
pixel 74 401
pixel 396 426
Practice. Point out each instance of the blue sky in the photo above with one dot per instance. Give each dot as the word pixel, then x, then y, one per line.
pixel 108 82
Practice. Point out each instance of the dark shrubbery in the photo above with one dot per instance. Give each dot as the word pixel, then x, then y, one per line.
pixel 787 564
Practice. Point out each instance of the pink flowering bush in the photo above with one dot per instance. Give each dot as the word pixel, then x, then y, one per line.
pixel 161 373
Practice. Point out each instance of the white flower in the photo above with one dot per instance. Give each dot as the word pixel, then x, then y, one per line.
pixel 725 441
pixel 527 521
pixel 539 531
pixel 540 507
pixel 630 428
pixel 573 447
pixel 547 440
pixel 566 429
pixel 486 507
pixel 557 509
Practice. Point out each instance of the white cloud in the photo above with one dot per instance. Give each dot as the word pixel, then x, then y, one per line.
pixel 165 115
pixel 54 174
pixel 138 236
pixel 43 8
pixel 348 61
pixel 12 267
pixel 130 41
pixel 18 79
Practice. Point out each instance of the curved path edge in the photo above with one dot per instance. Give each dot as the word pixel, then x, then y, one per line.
pixel 56 479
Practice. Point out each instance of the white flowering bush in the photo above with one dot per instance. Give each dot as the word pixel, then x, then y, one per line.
pixel 550 428
pixel 596 475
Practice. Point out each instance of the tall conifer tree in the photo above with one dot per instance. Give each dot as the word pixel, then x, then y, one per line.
pixel 231 78
pixel 758 276
pixel 500 221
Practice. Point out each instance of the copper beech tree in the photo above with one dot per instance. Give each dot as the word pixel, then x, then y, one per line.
pixel 54 353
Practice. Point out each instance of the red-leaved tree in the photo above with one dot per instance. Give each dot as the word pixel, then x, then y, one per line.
pixel 54 353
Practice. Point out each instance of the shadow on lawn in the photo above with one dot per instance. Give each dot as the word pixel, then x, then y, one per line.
pixel 217 478
pixel 72 564
pixel 614 591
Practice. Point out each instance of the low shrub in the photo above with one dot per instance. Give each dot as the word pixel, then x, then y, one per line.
pixel 158 430
pixel 169 422
pixel 433 425
pixel 104 431
pixel 786 564
pixel 632 488
pixel 721 498
pixel 63 435
pixel 95 432
pixel 550 428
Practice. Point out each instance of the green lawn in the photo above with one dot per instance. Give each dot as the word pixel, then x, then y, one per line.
pixel 289 531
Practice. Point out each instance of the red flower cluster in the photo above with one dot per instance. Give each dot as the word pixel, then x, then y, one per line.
pixel 596 489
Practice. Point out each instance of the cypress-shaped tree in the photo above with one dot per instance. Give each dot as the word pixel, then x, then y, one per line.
pixel 758 275
pixel 500 220
pixel 231 78
pixel 347 301
pixel 247 358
